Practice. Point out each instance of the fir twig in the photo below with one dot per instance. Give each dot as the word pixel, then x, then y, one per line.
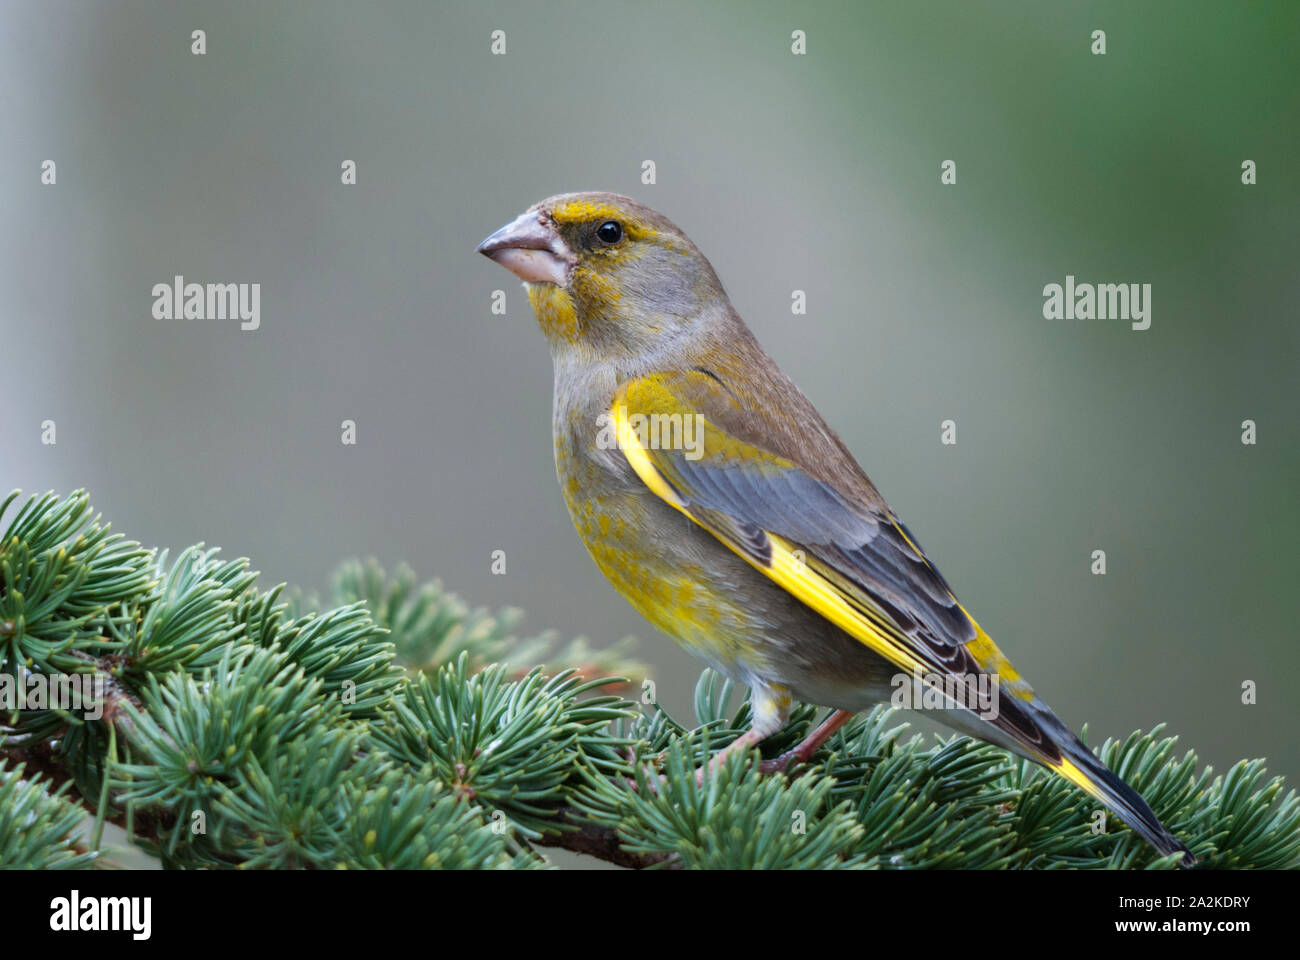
pixel 258 728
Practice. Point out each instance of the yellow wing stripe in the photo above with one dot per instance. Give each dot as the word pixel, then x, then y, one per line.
pixel 793 574
pixel 1080 779
pixel 630 444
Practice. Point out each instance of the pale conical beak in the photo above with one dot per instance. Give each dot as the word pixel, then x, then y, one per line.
pixel 530 248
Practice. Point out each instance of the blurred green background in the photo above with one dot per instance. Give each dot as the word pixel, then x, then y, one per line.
pixel 816 172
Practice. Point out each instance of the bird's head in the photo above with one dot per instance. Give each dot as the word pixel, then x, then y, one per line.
pixel 606 273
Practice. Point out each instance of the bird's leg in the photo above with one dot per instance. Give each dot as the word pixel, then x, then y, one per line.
pixel 810 744
pixel 749 738
pixel 770 708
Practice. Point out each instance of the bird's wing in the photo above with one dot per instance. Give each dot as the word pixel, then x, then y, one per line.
pixel 842 553
pixel 787 496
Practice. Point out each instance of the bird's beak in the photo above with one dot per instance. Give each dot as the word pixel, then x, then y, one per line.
pixel 530 248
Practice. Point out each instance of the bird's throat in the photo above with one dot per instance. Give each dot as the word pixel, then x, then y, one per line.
pixel 555 311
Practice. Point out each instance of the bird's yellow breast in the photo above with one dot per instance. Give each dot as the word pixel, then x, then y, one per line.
pixel 639 545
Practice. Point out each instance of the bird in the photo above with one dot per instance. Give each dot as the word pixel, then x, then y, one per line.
pixel 713 496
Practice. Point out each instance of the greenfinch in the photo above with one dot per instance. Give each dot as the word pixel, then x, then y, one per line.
pixel 716 499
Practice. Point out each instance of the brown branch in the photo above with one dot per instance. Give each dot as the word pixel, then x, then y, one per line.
pixel 601 842
pixel 39 760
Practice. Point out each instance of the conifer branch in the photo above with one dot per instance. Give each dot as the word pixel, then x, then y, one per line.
pixel 257 728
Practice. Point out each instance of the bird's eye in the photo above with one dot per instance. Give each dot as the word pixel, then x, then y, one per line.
pixel 611 231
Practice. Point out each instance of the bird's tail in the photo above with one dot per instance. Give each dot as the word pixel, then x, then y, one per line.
pixel 1028 727
pixel 1081 767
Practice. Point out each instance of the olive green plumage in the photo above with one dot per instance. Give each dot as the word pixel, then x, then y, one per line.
pixel 716 499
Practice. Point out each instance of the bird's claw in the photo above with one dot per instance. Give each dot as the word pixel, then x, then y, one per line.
pixel 779 764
